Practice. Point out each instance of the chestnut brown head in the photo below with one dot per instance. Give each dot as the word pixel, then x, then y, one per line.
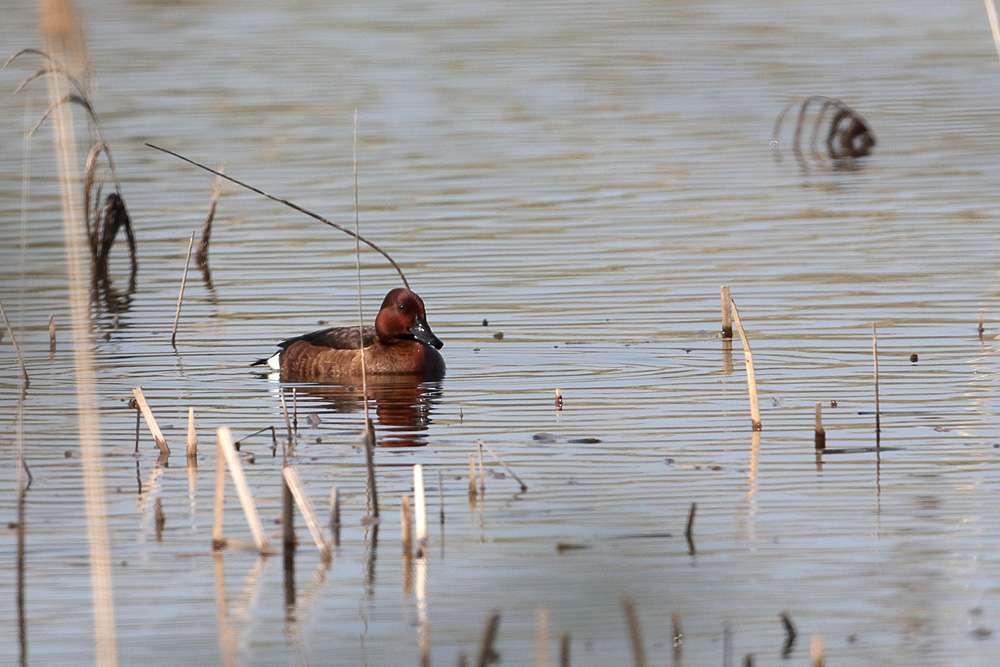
pixel 402 317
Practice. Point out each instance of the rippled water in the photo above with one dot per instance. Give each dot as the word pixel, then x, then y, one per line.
pixel 584 177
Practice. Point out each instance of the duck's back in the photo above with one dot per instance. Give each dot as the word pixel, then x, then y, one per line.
pixel 336 338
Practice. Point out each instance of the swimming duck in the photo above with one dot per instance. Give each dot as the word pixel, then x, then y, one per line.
pixel 400 343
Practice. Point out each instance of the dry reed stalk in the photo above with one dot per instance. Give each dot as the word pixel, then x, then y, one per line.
pixel 291 477
pixel 564 650
pixel 17 348
pixel 878 409
pixel 370 440
pixel 147 414
pixel 284 411
pixel 482 445
pixel 727 312
pixel 218 542
pixel 751 378
pixel 991 12
pixel 981 328
pixel 192 437
pixel 486 652
pixel 542 638
pixel 52 334
pixel 472 477
pixel 295 410
pixel 689 529
pixel 335 515
pixel 820 431
pixel 291 205
pixel 482 475
pixel 242 488
pixel 65 44
pixel 677 634
pixel 206 230
pixel 816 658
pixel 420 508
pixel 180 296
pixel 634 633
pixel 372 490
pixel 559 399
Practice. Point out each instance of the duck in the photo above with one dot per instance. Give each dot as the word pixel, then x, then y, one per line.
pixel 400 344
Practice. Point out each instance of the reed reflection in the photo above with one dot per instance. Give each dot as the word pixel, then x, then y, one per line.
pixel 402 406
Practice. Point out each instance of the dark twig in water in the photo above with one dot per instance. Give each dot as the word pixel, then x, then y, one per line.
pixel 878 409
pixel 689 529
pixel 564 650
pixel 17 348
pixel 486 653
pixel 180 296
pixel 634 633
pixel 52 334
pixel 291 205
pixel 790 635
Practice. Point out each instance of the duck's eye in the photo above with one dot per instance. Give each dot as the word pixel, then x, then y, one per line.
pixel 402 307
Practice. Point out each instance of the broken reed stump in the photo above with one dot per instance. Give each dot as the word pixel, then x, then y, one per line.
pixel 232 461
pixel 52 335
pixel 147 414
pixel 218 542
pixel 180 296
pixel 727 312
pixel 816 658
pixel 192 438
pixel 751 377
pixel 634 632
pixel 406 525
pixel 559 399
pixel 564 650
pixel 294 483
pixel 542 637
pixel 820 431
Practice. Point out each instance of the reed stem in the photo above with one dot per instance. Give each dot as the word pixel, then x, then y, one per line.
pixel 420 509
pixel 147 414
pixel 751 378
pixel 180 296
pixel 242 488
pixel 291 478
pixel 727 313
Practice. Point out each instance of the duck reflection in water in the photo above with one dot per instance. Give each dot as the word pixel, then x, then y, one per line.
pixel 401 406
pixel 400 356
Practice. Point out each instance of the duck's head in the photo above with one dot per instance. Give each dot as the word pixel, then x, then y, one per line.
pixel 402 317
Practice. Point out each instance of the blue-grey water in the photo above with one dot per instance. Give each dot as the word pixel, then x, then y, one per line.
pixel 583 176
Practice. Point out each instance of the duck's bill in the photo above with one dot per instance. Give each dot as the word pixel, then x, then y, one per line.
pixel 423 333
